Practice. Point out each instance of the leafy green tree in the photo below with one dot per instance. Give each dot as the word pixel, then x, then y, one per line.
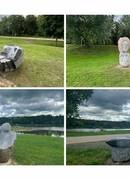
pixel 16 25
pixel 89 29
pixel 5 26
pixel 31 25
pixel 40 24
pixel 52 26
pixel 125 26
pixel 116 32
pixel 74 99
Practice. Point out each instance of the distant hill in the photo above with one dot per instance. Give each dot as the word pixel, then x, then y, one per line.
pixel 43 120
pixel 81 123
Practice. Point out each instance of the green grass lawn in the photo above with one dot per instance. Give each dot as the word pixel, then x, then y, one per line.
pixel 38 150
pixel 88 156
pixel 96 66
pixel 74 134
pixel 43 63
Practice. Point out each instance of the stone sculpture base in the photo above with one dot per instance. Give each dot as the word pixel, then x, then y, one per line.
pixel 10 162
pixel 122 67
pixel 120 154
pixel 124 59
pixel 5 155
pixel 7 163
pixel 111 162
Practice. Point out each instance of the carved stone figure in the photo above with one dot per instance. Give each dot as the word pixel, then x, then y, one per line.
pixel 7 140
pixel 124 56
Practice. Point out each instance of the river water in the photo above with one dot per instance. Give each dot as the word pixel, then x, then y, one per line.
pixel 94 130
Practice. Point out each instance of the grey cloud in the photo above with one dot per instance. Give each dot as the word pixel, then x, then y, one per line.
pixel 107 105
pixel 31 102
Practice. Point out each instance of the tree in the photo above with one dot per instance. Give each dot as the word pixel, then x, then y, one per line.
pixel 74 99
pixel 115 35
pixel 89 29
pixel 53 26
pixel 16 25
pixel 31 25
pixel 40 24
pixel 5 26
pixel 125 26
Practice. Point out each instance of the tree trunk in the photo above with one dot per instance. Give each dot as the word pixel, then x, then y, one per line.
pixel 56 41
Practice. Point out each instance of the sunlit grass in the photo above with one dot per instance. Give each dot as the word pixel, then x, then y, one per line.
pixel 95 67
pixel 38 150
pixel 43 63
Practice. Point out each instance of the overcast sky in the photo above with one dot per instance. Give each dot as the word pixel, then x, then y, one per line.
pixel 31 102
pixel 111 105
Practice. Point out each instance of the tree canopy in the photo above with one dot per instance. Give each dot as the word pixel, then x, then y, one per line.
pixel 51 26
pixel 93 124
pixel 97 29
pixel 43 120
pixel 74 99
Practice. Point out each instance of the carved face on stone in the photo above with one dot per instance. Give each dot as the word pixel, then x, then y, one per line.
pixel 7 137
pixel 124 44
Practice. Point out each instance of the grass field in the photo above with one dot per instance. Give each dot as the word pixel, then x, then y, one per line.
pixel 43 63
pixel 88 156
pixel 96 66
pixel 74 134
pixel 38 150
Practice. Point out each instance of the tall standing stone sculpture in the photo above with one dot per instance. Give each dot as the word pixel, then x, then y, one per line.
pixel 124 56
pixel 7 139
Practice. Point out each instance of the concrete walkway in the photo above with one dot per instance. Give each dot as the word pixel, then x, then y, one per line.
pixel 31 38
pixel 98 138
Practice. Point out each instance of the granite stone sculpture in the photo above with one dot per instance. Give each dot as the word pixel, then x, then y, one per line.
pixel 11 58
pixel 7 140
pixel 124 47
pixel 120 149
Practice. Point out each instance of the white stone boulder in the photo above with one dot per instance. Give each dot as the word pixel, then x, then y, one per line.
pixel 7 140
pixel 124 47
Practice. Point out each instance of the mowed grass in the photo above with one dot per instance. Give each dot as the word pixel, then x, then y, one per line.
pixel 88 156
pixel 95 67
pixel 74 134
pixel 38 150
pixel 43 63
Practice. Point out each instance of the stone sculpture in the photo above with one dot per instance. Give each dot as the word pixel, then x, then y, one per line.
pixel 7 139
pixel 11 58
pixel 124 56
pixel 120 149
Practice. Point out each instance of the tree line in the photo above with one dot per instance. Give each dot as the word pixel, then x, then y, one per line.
pixel 92 124
pixel 43 120
pixel 88 30
pixel 51 26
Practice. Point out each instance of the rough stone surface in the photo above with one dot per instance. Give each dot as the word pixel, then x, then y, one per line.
pixel 120 149
pixel 124 56
pixel 123 44
pixel 7 139
pixel 120 154
pixel 5 155
pixel 122 142
pixel 124 59
pixel 111 162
